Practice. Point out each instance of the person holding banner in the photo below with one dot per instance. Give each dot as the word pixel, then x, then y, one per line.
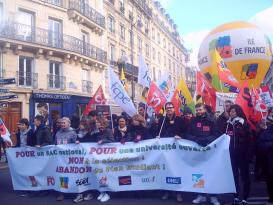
pixel 142 108
pixel 138 130
pixel 171 126
pixel 222 119
pixel 203 131
pixel 65 135
pixel 105 135
pixel 121 132
pixel 240 136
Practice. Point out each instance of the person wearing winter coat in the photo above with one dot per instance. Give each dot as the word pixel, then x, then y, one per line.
pixel 138 130
pixel 240 135
pixel 265 145
pixel 203 131
pixel 122 131
pixel 42 134
pixel 25 135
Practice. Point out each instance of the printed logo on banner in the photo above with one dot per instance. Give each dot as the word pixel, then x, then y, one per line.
pixel 64 182
pixel 249 71
pixel 125 180
pixel 148 179
pixel 103 181
pixel 198 181
pixel 33 180
pixel 50 181
pixel 83 181
pixel 173 180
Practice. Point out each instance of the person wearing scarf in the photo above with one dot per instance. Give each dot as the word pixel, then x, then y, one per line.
pixel 240 136
pixel 121 132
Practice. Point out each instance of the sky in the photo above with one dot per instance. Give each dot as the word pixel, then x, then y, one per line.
pixel 195 18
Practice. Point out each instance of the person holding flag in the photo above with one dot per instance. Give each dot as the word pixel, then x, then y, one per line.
pixel 171 126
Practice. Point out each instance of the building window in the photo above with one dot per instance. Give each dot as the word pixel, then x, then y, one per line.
pixel 165 61
pixel 170 65
pixel 85 41
pixel 26 21
pixel 139 45
pixel 147 51
pixel 1 13
pixel 153 53
pixel 87 85
pixel 131 36
pixel 154 74
pixel 122 32
pixel 164 43
pixel 25 74
pixel 55 33
pixel 173 51
pixel 159 74
pixel 158 38
pixel 111 24
pixel 112 52
pixel 153 33
pixel 54 77
pixel 159 57
pixel 1 65
pixel 123 53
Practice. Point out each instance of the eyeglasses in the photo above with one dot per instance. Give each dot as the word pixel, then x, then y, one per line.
pixel 169 107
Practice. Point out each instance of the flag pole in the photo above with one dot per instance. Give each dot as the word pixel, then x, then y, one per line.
pixel 111 117
pixel 162 126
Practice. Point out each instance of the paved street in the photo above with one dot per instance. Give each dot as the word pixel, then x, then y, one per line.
pixel 8 196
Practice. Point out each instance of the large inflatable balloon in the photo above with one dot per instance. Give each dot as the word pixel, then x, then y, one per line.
pixel 245 49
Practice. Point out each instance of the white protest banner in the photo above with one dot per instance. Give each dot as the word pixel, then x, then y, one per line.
pixel 166 164
pixel 221 98
pixel 144 76
pixel 119 94
pixel 266 95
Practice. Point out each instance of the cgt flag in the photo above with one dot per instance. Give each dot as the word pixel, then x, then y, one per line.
pixel 97 99
pixel 119 94
pixel 155 99
pixel 4 132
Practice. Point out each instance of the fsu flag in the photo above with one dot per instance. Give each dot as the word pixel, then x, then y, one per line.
pixel 4 132
pixel 97 99
pixel 260 108
pixel 155 98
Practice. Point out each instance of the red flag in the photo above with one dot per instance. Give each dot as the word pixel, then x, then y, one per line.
pixel 205 90
pixel 244 99
pixel 155 98
pixel 97 99
pixel 260 108
pixel 176 102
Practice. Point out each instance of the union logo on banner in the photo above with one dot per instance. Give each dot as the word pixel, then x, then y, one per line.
pixel 198 181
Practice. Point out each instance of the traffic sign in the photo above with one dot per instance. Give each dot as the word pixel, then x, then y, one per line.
pixel 6 97
pixel 4 90
pixel 6 81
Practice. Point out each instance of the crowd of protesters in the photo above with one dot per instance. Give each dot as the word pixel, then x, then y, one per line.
pixel 202 128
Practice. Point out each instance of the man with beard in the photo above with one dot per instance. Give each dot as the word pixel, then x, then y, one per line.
pixel 202 130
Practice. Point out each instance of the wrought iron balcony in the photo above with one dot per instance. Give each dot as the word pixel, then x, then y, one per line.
pixel 27 79
pixel 56 82
pixel 59 3
pixel 142 5
pixel 48 38
pixel 87 11
pixel 87 86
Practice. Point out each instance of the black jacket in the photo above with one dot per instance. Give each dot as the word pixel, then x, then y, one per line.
pixel 221 123
pixel 171 127
pixel 136 131
pixel 30 138
pixel 126 135
pixel 240 137
pixel 106 135
pixel 202 130
pixel 43 135
pixel 265 145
